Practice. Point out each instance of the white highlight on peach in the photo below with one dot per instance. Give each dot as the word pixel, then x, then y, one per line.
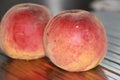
pixel 77 26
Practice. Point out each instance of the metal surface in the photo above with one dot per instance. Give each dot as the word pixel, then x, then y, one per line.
pixel 111 62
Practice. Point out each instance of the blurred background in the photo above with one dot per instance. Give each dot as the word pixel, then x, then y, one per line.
pixel 58 5
pixel 54 5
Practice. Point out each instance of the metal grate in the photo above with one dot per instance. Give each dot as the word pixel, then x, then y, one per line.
pixel 111 21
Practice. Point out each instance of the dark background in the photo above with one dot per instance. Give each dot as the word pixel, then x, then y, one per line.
pixel 54 5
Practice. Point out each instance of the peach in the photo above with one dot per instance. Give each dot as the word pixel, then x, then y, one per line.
pixel 21 31
pixel 75 40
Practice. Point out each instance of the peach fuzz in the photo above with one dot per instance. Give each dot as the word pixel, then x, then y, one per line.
pixel 75 40
pixel 21 31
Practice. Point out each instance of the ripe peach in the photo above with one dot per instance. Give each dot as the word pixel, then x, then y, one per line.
pixel 22 30
pixel 75 40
